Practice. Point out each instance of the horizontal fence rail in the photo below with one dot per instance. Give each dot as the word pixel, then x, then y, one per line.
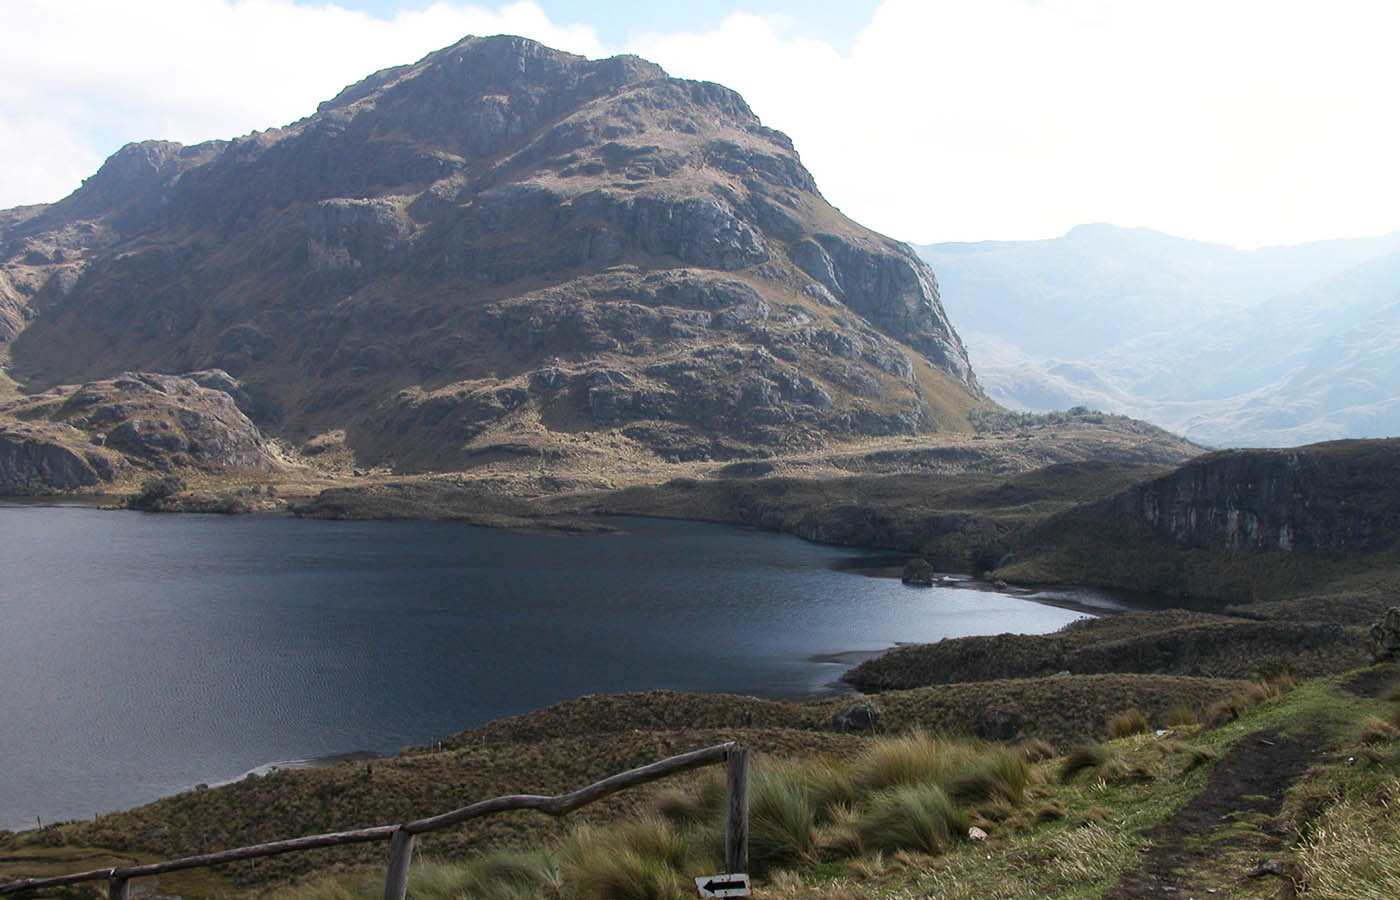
pixel 401 837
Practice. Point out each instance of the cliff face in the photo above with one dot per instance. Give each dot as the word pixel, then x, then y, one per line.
pixel 498 240
pixel 1230 526
pixel 1328 500
pixel 78 437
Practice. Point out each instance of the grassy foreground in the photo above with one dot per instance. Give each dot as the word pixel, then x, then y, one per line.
pixel 1305 778
pixel 1191 797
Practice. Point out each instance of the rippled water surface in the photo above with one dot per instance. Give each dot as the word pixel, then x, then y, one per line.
pixel 140 654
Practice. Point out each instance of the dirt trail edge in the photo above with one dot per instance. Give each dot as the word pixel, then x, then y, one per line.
pixel 1238 807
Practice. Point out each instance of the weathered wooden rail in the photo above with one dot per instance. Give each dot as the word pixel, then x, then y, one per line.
pixel 400 837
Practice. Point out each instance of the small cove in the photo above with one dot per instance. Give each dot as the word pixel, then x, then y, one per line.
pixel 142 654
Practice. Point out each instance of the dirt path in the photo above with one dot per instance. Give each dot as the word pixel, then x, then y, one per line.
pixel 1372 682
pixel 1237 809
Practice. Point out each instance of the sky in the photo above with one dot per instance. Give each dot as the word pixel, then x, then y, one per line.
pixel 1244 122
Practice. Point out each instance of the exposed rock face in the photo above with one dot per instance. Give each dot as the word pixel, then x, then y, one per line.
pixel 1383 644
pixel 858 718
pixel 71 438
pixel 1329 500
pixel 498 238
pixel 38 459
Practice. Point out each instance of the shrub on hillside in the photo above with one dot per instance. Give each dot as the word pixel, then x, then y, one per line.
pixel 1080 758
pixel 155 491
pixel 1129 723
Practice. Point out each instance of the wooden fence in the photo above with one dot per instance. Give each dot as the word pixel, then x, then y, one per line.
pixel 400 837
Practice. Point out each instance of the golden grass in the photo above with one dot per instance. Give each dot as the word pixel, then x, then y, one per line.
pixel 1353 850
pixel 1134 721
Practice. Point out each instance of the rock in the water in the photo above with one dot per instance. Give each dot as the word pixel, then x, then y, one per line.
pixel 918 571
pixel 857 718
pixel 1384 642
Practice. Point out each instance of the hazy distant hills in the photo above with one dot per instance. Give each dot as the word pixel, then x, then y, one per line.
pixel 1276 346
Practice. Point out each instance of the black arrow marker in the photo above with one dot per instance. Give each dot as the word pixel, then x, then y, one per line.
pixel 713 885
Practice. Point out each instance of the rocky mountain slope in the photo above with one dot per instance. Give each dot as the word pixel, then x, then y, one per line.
pixel 499 251
pixel 70 438
pixel 1271 347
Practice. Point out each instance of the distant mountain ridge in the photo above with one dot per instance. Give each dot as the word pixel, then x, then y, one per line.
pixel 501 249
pixel 1272 347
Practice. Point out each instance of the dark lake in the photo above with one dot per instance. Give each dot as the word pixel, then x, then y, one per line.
pixel 141 654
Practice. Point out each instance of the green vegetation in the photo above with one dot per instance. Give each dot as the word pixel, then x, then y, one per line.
pixel 840 817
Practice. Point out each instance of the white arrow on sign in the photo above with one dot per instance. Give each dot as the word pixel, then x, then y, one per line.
pixel 736 885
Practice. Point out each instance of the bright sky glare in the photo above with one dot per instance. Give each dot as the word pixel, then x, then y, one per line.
pixel 1246 122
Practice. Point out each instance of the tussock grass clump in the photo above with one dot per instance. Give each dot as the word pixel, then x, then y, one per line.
pixel 640 860
pixel 1134 721
pixel 840 836
pixel 1182 714
pixel 915 758
pixel 782 818
pixel 498 876
pixel 1353 849
pixel 1035 750
pixel 1199 756
pixel 1080 758
pixel 624 873
pixel 1376 731
pixel 356 886
pixel 700 804
pixel 1094 815
pixel 1229 709
pixel 830 783
pixel 999 774
pixel 912 817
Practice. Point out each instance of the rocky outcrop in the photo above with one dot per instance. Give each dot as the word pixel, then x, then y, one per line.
pixel 1328 500
pixel 891 286
pixel 1383 643
pixel 858 718
pixel 498 236
pixel 77 437
pixel 918 572
pixel 42 458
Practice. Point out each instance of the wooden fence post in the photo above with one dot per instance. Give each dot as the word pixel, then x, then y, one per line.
pixel 401 837
pixel 400 858
pixel 736 831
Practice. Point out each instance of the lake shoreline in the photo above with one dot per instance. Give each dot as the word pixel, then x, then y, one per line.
pixel 266 638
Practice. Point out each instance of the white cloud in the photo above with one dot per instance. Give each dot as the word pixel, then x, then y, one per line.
pixel 81 77
pixel 1246 121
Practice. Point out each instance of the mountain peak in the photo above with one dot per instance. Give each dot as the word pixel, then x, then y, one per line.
pixel 500 245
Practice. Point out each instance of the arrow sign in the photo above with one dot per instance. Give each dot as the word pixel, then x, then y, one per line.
pixel 736 885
